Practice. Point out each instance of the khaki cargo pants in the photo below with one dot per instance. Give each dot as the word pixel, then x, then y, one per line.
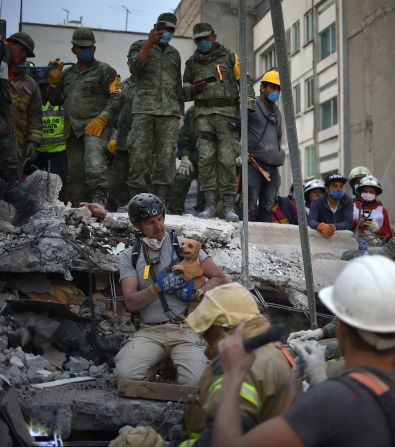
pixel 152 344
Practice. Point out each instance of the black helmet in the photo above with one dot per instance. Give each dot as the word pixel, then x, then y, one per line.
pixel 335 178
pixel 143 206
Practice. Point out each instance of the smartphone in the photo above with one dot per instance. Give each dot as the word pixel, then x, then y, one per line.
pixel 161 25
pixel 210 79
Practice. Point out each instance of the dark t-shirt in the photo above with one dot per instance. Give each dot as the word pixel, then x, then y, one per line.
pixel 336 414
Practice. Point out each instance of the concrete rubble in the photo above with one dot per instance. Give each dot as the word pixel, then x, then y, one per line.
pixel 48 331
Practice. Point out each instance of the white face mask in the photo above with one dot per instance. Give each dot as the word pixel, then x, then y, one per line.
pixel 368 196
pixel 153 243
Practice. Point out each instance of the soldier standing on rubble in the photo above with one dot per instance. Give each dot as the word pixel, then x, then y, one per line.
pixel 211 79
pixel 161 299
pixel 157 106
pixel 25 204
pixel 92 95
pixel 26 99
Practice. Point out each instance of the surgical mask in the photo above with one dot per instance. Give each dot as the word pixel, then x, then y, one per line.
pixel 336 195
pixel 204 46
pixel 368 196
pixel 154 244
pixel 87 55
pixel 273 96
pixel 166 37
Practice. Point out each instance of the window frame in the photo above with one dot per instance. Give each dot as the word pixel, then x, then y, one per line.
pixel 333 112
pixel 296 37
pixel 309 87
pixel 296 91
pixel 332 40
pixel 310 154
pixel 307 37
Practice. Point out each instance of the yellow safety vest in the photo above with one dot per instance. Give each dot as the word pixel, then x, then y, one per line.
pixel 52 138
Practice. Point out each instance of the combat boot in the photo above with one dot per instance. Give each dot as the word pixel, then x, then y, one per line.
pixel 229 209
pixel 210 210
pixel 25 205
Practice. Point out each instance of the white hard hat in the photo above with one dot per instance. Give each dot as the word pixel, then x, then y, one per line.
pixel 358 172
pixel 369 180
pixel 314 184
pixel 363 295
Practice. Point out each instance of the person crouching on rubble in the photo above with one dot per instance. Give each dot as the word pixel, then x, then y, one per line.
pixel 355 409
pixel 161 297
pixel 333 211
pixel 370 217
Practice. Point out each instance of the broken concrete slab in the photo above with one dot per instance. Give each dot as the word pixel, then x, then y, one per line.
pixel 43 185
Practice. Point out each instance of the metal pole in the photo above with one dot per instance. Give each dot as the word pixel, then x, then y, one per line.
pixel 286 91
pixel 244 141
pixel 20 15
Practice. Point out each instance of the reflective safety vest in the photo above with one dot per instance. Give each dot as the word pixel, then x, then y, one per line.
pixel 52 139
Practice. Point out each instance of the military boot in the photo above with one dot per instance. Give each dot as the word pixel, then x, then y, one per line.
pixel 25 205
pixel 210 210
pixel 229 208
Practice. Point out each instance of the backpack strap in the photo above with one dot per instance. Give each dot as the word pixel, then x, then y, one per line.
pixel 370 381
pixel 136 251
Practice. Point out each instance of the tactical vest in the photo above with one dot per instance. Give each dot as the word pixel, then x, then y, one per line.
pixel 53 139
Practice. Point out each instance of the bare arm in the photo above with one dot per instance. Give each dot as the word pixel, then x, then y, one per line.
pixel 153 38
pixel 135 299
pixel 215 276
pixel 227 426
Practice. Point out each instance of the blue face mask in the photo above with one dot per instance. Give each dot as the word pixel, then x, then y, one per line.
pixel 273 96
pixel 336 195
pixel 166 38
pixel 87 55
pixel 204 46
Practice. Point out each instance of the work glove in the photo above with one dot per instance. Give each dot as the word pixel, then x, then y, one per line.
pixel 187 291
pixel 316 334
pixel 310 362
pixel 238 161
pixel 186 166
pixel 96 126
pixel 167 282
pixel 55 74
pixel 32 150
pixel 371 225
pixel 112 146
pixel 327 230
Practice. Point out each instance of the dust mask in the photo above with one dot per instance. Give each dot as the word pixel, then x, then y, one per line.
pixel 154 244
pixel 368 197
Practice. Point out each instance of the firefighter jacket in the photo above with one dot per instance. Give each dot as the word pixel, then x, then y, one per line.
pixel 222 96
pixel 86 94
pixel 52 139
pixel 158 87
pixel 26 99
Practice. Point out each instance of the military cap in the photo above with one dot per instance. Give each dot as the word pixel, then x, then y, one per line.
pixel 25 40
pixel 83 37
pixel 169 18
pixel 202 29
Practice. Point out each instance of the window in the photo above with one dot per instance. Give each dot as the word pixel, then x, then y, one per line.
pixel 296 36
pixel 308 27
pixel 288 40
pixel 309 87
pixel 328 41
pixel 296 92
pixel 329 113
pixel 310 161
pixel 268 60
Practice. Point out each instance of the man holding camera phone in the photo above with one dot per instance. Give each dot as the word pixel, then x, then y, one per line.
pixel 211 80
pixel 155 68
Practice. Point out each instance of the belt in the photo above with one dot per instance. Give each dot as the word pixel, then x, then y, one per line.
pixel 163 322
pixel 216 102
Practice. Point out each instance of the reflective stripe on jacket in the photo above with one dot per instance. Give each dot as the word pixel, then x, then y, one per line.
pixel 53 139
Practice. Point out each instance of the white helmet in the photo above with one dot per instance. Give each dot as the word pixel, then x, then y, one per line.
pixel 314 184
pixel 369 180
pixel 363 295
pixel 358 172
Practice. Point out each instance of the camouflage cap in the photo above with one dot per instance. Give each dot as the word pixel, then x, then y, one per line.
pixel 169 18
pixel 25 40
pixel 202 29
pixel 83 37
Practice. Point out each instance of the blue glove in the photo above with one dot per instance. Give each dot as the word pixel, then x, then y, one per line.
pixel 169 282
pixel 187 290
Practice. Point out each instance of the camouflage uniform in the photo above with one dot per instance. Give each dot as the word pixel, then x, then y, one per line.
pixel 215 106
pixel 26 99
pixel 119 194
pixel 86 94
pixel 157 106
pixel 186 146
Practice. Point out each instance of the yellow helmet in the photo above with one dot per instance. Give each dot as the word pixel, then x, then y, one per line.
pixel 271 76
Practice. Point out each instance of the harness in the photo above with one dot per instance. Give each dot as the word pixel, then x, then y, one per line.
pixel 150 269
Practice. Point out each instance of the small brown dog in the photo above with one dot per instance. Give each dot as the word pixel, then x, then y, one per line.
pixel 190 267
